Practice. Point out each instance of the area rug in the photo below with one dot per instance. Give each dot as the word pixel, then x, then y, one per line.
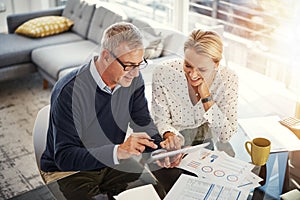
pixel 20 101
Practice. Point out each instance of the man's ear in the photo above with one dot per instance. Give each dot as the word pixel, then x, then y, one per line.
pixel 105 55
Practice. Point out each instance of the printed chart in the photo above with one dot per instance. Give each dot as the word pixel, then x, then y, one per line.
pixel 217 166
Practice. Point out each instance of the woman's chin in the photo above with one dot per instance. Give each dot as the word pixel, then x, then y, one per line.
pixel 195 83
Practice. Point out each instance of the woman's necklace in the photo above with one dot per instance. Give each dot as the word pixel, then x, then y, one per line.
pixel 194 96
pixel 195 90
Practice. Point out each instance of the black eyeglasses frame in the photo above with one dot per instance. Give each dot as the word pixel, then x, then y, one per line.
pixel 127 68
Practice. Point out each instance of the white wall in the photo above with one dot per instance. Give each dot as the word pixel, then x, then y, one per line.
pixel 21 6
pixel 39 5
pixel 7 4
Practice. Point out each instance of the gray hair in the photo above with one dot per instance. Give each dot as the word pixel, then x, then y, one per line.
pixel 121 32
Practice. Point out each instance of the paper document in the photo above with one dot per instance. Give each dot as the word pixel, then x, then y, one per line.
pixel 146 192
pixel 191 188
pixel 291 195
pixel 282 139
pixel 218 167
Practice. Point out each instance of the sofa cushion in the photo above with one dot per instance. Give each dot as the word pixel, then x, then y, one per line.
pixel 45 26
pixel 15 71
pixel 153 42
pixel 64 72
pixel 81 13
pixel 69 54
pixel 17 49
pixel 15 20
pixel 153 45
pixel 102 18
pixel 173 42
pixel 143 26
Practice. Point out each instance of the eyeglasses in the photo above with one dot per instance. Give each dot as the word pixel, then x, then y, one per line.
pixel 142 65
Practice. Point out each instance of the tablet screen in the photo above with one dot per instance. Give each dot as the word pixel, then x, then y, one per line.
pixel 162 153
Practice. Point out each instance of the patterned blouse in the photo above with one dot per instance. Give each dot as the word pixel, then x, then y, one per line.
pixel 174 111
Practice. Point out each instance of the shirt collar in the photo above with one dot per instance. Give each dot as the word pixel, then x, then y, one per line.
pixel 96 76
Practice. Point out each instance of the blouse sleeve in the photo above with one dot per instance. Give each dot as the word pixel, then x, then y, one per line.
pixel 222 116
pixel 160 108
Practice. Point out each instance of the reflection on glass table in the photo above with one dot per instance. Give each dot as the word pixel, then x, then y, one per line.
pixel 275 177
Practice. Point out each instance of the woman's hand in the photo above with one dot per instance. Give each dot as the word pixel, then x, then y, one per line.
pixel 203 89
pixel 205 83
pixel 204 92
pixel 171 141
pixel 170 162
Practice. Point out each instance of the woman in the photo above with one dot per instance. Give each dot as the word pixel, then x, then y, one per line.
pixel 196 92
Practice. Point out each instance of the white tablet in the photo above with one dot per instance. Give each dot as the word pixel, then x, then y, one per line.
pixel 162 153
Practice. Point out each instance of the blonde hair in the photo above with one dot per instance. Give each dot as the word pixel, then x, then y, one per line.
pixel 205 42
pixel 121 32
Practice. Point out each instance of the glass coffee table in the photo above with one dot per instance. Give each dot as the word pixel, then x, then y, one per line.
pixel 274 173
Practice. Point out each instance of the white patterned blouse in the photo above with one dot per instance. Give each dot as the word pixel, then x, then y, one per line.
pixel 173 110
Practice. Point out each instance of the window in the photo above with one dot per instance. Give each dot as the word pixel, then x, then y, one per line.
pixel 254 31
pixel 157 10
pixel 61 2
pixel 258 33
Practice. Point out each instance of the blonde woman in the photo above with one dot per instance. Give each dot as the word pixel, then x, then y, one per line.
pixel 195 92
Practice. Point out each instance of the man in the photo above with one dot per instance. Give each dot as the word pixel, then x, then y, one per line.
pixel 90 111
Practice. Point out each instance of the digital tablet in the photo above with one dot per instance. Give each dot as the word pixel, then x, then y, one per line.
pixel 162 153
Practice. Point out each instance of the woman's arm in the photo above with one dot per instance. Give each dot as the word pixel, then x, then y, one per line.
pixel 160 108
pixel 222 114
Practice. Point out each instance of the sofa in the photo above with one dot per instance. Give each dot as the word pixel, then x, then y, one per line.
pixel 54 56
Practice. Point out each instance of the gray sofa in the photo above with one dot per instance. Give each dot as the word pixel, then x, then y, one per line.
pixel 15 50
pixel 56 55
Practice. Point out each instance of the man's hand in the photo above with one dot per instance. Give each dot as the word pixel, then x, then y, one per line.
pixel 135 145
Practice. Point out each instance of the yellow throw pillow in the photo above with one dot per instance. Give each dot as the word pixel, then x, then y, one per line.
pixel 44 26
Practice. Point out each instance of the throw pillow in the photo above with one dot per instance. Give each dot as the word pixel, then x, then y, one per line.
pixel 173 44
pixel 44 26
pixel 153 42
pixel 154 49
pixel 153 45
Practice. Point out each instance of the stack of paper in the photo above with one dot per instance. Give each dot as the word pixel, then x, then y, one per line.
pixel 146 192
pixel 191 188
pixel 218 167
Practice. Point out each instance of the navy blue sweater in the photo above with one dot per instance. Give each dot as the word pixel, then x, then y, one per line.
pixel 86 122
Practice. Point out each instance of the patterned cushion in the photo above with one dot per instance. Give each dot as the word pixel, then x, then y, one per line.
pixel 153 42
pixel 44 26
pixel 153 45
